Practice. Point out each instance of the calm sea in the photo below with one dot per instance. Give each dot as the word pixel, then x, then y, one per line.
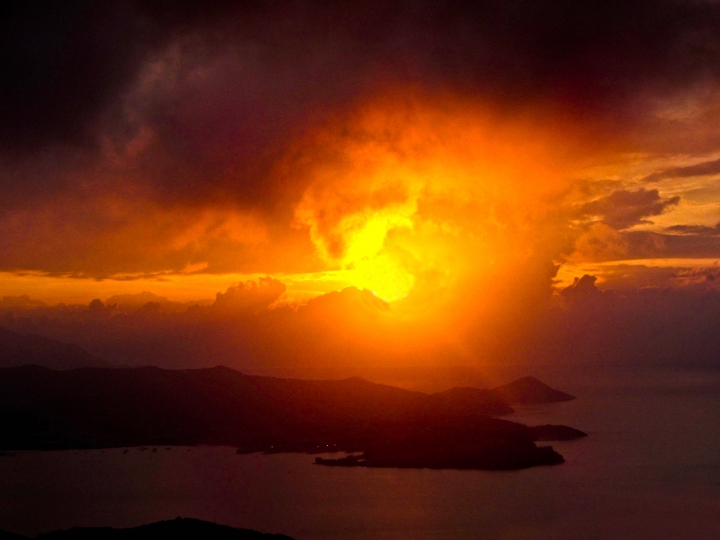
pixel 650 469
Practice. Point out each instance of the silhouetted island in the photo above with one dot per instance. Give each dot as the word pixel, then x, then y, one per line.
pixel 530 391
pixel 551 432
pixel 43 409
pixel 497 447
pixel 177 528
pixel 490 447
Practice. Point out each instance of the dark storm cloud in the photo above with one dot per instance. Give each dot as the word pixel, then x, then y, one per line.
pixel 624 208
pixel 64 64
pixel 699 230
pixel 61 63
pixel 604 243
pixel 699 276
pixel 674 245
pixel 581 289
pixel 655 245
pixel 705 168
pixel 192 103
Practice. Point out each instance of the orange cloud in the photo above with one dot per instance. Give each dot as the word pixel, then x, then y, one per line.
pixel 409 192
pixel 600 242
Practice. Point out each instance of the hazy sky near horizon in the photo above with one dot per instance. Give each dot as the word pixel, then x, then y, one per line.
pixel 460 160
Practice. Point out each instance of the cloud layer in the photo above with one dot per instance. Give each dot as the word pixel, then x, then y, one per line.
pixel 448 155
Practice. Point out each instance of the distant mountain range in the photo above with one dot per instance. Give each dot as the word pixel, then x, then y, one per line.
pixel 21 350
pixel 42 408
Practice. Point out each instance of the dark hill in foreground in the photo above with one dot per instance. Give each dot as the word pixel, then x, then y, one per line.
pixel 96 408
pixel 178 528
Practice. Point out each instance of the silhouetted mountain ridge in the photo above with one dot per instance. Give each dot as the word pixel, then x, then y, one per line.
pixel 22 350
pixel 177 528
pixel 96 408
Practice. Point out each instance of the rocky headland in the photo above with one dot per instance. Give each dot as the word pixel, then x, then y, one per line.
pixel 44 409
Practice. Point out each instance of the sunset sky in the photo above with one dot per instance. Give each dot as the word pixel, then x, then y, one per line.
pixel 408 180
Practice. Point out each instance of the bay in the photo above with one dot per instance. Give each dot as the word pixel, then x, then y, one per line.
pixel 649 469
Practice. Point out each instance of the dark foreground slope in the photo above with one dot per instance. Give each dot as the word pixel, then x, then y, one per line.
pixel 96 408
pixel 178 528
